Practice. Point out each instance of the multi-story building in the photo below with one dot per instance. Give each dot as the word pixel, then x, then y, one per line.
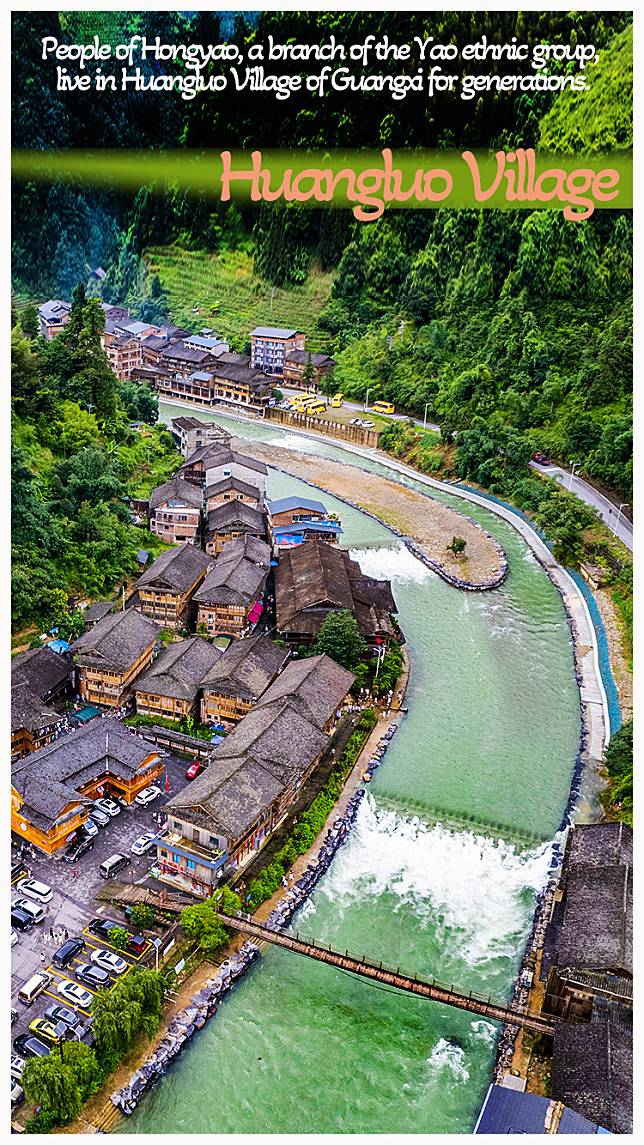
pixel 112 654
pixel 293 520
pixel 52 317
pixel 49 674
pixel 270 346
pixel 52 789
pixel 191 434
pixel 242 674
pixel 171 687
pixel 166 589
pixel 227 463
pixel 315 579
pixel 232 489
pixel 175 511
pixel 123 353
pixel 230 599
pixel 229 521
pixel 317 686
pixel 33 724
pixel 115 313
pixel 296 365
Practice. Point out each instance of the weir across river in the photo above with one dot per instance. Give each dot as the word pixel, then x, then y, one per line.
pixel 435 991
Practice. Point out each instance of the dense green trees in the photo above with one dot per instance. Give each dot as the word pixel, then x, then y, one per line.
pixel 61 1083
pixel 619 765
pixel 340 638
pixel 133 1007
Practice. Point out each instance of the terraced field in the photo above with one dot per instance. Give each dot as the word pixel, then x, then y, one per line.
pixel 227 281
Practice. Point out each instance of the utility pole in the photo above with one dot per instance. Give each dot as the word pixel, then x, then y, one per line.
pixel 619 513
pixel 366 401
pixel 425 415
pixel 572 474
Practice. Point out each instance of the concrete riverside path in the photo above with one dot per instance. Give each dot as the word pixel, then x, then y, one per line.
pixel 434 991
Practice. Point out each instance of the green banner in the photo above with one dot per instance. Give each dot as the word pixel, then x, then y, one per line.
pixel 367 182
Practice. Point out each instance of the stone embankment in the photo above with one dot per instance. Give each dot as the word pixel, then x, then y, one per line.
pixel 425 525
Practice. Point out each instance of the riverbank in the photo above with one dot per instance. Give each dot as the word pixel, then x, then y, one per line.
pixel 100 1114
pixel 432 525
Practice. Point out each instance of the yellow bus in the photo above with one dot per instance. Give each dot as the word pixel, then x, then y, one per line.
pixel 383 407
pixel 301 401
pixel 337 401
pixel 316 408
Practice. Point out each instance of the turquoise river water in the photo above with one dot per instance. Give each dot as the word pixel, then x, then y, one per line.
pixel 439 876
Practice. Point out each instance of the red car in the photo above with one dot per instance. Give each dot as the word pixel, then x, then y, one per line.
pixel 194 770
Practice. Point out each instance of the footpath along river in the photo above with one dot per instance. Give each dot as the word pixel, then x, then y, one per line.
pixel 439 876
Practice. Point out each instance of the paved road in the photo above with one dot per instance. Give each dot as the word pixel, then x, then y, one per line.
pixel 609 512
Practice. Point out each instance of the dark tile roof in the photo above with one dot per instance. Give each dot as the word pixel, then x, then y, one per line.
pixel 97 611
pixel 53 310
pixel 228 456
pixel 179 352
pixel 155 342
pixel 592 1072
pixel 235 512
pixel 28 710
pixel 289 504
pixel 235 579
pixel 597 921
pixel 186 422
pixel 232 483
pixel 45 671
pixel 315 578
pixel 50 778
pixel 242 375
pixel 316 685
pixel 279 735
pixel 246 668
pixel 175 570
pixel 176 489
pixel 302 356
pixel 233 359
pixel 228 797
pixel 178 671
pixel 204 453
pixel 116 641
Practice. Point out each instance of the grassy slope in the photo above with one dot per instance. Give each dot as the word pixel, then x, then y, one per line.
pixel 600 119
pixel 196 278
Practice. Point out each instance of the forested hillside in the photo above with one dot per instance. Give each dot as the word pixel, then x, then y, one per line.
pixel 74 458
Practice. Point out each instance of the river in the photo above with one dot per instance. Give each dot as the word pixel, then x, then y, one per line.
pixel 439 875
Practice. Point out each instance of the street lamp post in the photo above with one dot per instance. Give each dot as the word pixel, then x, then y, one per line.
pixel 425 415
pixel 619 513
pixel 366 401
pixel 572 474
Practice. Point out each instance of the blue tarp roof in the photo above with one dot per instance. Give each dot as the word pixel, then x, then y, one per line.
pixel 59 646
pixel 302 526
pixel 511 1111
pixel 86 714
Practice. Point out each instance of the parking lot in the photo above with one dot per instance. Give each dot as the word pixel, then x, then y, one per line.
pixel 73 903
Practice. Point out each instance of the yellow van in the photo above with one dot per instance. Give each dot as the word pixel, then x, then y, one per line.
pixel 303 401
pixel 383 407
pixel 336 401
pixel 316 408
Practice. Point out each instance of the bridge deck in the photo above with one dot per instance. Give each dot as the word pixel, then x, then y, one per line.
pixel 437 992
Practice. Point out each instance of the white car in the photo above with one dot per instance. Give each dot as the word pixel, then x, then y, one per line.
pixel 109 806
pixel 148 795
pixel 14 937
pixel 17 1066
pixel 90 828
pixel 113 963
pixel 35 912
pixel 74 993
pixel 144 843
pixel 34 890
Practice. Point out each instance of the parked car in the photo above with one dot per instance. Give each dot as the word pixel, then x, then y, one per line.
pixel 14 937
pixel 30 1046
pixel 101 927
pixel 20 920
pixel 33 909
pixel 17 1066
pixel 47 1030
pixel 58 1013
pixel 109 961
pixel 194 770
pixel 137 943
pixel 109 806
pixel 89 829
pixel 148 795
pixel 91 975
pixel 17 1093
pixel 68 951
pixel 540 458
pixel 72 992
pixel 77 850
pixel 144 843
pixel 34 890
pixel 100 817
